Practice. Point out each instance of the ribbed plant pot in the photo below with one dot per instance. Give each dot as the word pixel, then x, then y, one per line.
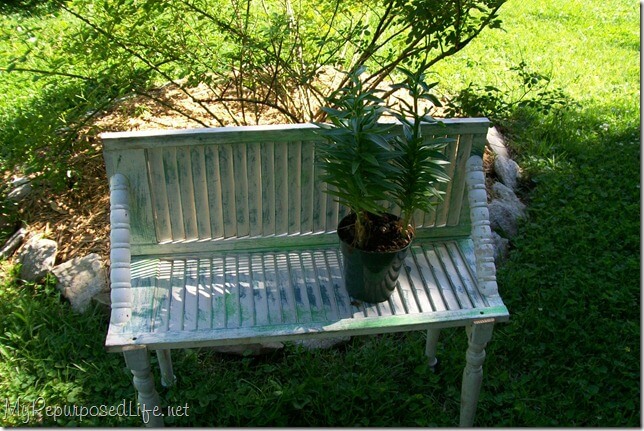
pixel 371 276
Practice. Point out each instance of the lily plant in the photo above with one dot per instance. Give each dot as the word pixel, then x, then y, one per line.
pixel 367 167
pixel 419 160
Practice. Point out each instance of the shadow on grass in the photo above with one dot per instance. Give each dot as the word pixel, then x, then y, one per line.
pixel 570 355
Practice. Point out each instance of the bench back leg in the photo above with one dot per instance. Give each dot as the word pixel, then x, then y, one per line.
pixel 478 335
pixel 430 347
pixel 138 361
pixel 165 364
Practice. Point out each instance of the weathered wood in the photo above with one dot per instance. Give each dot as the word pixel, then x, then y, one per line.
pixel 165 364
pixel 138 361
pixel 207 187
pixel 303 287
pixel 226 236
pixel 119 141
pixel 132 164
pixel 431 343
pixel 478 335
pixel 481 233
pixel 120 277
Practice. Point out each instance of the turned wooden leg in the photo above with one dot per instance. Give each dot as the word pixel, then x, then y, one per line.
pixel 478 335
pixel 138 361
pixel 430 347
pixel 165 364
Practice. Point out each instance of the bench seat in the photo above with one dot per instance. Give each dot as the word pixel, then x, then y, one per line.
pixel 230 298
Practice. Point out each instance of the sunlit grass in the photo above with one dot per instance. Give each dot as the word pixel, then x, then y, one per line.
pixel 590 49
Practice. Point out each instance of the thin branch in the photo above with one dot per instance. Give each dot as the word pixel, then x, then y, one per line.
pixel 139 56
pixel 174 108
pixel 258 102
pixel 45 72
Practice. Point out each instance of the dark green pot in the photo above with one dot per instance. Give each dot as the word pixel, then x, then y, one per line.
pixel 371 276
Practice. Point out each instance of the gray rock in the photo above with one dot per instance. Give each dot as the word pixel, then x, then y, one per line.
pixel 322 343
pixel 504 217
pixel 80 279
pixel 19 181
pixel 507 170
pixel 501 248
pixel 37 257
pixel 103 298
pixel 13 243
pixel 504 193
pixel 496 142
pixel 21 188
pixel 505 210
pixel 249 349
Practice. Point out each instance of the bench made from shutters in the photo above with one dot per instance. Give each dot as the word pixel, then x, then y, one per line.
pixel 225 236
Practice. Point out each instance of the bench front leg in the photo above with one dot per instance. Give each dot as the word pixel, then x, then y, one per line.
pixel 138 361
pixel 478 335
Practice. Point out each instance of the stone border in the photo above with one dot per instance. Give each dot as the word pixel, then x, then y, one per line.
pixel 506 209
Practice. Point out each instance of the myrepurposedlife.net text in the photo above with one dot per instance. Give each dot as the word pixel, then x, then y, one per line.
pixel 39 409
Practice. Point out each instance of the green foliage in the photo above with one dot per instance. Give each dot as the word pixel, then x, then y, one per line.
pixel 570 355
pixel 53 357
pixel 28 7
pixel 531 93
pixel 574 277
pixel 273 55
pixel 357 160
pixel 367 167
pixel 421 162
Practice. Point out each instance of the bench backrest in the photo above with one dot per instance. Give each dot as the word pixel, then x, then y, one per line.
pixel 254 186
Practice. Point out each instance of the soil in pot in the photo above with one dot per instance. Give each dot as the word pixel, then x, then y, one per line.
pixel 371 275
pixel 384 232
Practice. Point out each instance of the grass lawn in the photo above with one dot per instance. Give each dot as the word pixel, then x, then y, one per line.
pixel 570 355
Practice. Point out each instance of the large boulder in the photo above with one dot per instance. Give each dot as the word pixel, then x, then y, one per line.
pixel 80 279
pixel 505 211
pixel 496 142
pixel 37 258
pixel 508 171
pixel 501 248
pixel 322 343
pixel 20 188
pixel 254 349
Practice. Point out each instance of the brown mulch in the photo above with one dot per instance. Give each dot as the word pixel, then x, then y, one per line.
pixel 78 218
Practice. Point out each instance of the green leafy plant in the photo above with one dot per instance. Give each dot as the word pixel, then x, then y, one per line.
pixel 531 90
pixel 257 55
pixel 357 162
pixel 367 166
pixel 420 160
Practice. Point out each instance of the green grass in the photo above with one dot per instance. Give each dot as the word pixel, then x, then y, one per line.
pixel 570 356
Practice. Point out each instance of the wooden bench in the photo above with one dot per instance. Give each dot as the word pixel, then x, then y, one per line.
pixel 224 236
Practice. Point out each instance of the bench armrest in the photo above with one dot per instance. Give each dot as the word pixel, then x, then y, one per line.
pixel 481 232
pixel 120 276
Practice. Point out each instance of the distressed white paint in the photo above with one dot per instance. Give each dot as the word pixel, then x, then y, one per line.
pixel 230 239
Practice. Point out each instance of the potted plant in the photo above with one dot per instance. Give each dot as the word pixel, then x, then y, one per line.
pixel 370 169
